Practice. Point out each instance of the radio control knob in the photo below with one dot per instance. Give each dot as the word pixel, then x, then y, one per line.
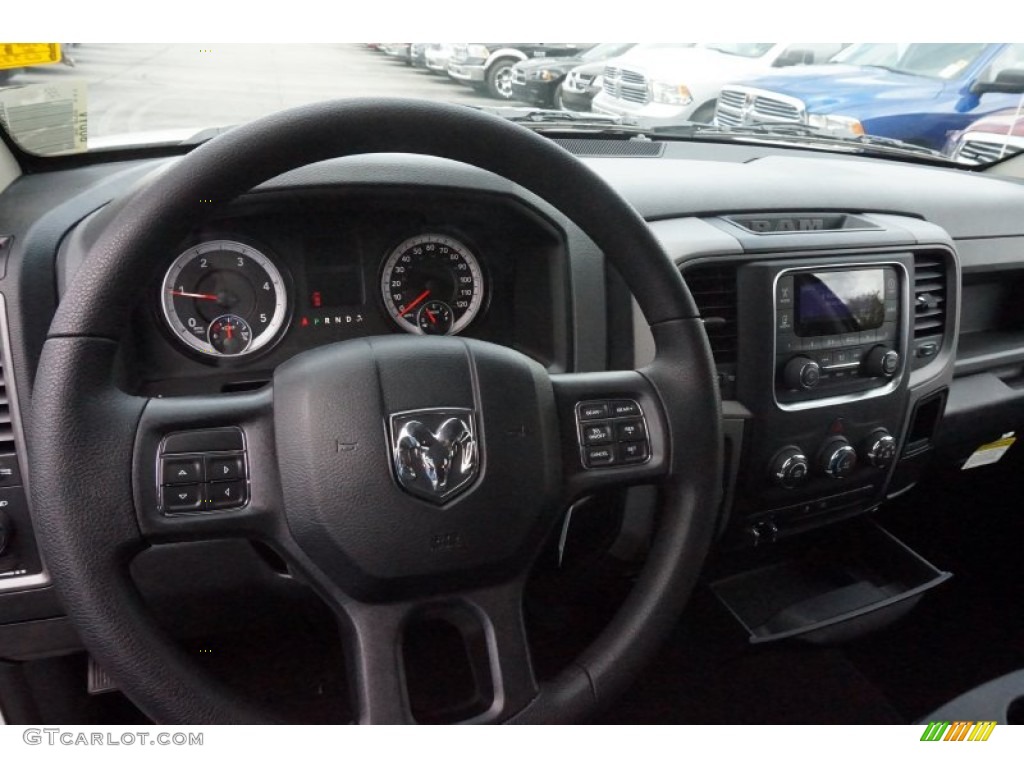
pixel 790 467
pixel 837 458
pixel 801 373
pixel 879 449
pixel 882 361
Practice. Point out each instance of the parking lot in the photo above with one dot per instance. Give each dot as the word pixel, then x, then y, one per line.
pixel 133 88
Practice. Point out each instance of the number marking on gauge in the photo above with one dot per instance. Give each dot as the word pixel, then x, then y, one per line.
pixel 432 268
pixel 221 279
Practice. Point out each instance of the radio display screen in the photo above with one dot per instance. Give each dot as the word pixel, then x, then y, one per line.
pixel 833 303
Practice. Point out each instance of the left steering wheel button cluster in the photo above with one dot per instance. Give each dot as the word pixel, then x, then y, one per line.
pixel 604 441
pixel 207 478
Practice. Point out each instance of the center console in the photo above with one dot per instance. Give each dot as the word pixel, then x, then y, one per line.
pixel 826 342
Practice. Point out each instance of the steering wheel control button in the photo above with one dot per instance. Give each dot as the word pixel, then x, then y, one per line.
pixel 9 472
pixel 591 411
pixel 203 470
pixel 625 408
pixel 599 456
pixel 632 429
pixel 226 495
pixel 597 433
pixel 182 471
pixel 620 439
pixel 204 441
pixel 634 453
pixel 219 469
pixel 183 498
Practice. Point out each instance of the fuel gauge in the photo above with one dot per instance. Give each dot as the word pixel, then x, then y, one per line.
pixel 230 335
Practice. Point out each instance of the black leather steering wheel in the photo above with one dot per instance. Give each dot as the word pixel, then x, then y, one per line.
pixel 339 517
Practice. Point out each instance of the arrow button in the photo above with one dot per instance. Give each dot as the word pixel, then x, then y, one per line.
pixel 182 471
pixel 182 498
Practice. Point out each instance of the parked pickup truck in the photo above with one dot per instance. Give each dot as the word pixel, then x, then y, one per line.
pixel 488 66
pixel 989 138
pixel 915 92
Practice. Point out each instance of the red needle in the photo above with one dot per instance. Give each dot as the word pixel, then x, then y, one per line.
pixel 203 296
pixel 417 300
pixel 432 316
pixel 229 329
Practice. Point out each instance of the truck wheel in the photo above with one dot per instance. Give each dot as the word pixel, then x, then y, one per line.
pixel 499 79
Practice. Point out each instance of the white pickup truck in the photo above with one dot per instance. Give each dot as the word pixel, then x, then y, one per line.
pixel 669 85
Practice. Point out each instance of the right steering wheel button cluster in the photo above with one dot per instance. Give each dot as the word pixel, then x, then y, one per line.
pixel 620 439
pixel 207 477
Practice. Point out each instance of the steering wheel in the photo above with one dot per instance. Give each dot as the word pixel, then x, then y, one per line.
pixel 357 515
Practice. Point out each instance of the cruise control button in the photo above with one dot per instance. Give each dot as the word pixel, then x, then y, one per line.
pixel 589 411
pixel 630 430
pixel 9 473
pixel 182 498
pixel 625 408
pixel 224 468
pixel 597 433
pixel 600 456
pixel 634 452
pixel 182 471
pixel 225 495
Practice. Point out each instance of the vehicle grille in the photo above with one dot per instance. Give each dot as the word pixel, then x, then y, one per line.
pixel 714 291
pixel 975 151
pixel 459 53
pixel 929 295
pixel 739 106
pixel 626 85
pixel 775 109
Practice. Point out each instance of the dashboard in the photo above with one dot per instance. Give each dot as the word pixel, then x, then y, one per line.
pixel 861 313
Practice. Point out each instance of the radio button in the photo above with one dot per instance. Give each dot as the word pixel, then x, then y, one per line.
pixel 882 361
pixel 784 293
pixel 892 285
pixel 784 321
pixel 892 310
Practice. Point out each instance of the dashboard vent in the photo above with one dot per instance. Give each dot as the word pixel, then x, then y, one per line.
pixel 6 427
pixel 929 295
pixel 714 290
pixel 612 147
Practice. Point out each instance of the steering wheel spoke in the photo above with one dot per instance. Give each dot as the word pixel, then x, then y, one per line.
pixel 493 681
pixel 614 431
pixel 205 468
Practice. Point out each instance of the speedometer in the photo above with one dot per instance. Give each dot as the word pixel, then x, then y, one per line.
pixel 432 284
pixel 224 298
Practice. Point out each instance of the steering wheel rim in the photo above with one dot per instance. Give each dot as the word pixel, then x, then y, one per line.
pixel 99 435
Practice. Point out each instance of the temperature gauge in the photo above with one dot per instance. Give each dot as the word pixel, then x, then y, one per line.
pixel 435 317
pixel 230 335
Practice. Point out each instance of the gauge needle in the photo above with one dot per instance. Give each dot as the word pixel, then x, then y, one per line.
pixel 415 302
pixel 432 316
pixel 203 296
pixel 229 330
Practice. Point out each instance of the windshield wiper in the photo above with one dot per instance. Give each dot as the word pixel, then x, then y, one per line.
pixel 563 119
pixel 804 135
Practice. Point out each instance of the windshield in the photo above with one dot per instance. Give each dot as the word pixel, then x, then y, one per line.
pixel 942 60
pixel 748 50
pixel 958 102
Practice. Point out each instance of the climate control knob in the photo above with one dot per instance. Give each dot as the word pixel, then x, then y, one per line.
pixel 879 449
pixel 790 467
pixel 837 458
pixel 882 361
pixel 801 373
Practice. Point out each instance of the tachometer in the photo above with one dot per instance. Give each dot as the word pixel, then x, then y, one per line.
pixel 224 298
pixel 432 284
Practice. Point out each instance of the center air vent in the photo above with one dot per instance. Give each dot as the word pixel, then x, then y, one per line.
pixel 714 289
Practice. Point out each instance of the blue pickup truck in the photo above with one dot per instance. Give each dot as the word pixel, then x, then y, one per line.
pixel 916 92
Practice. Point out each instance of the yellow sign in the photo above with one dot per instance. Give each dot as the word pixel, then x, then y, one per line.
pixel 13 55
